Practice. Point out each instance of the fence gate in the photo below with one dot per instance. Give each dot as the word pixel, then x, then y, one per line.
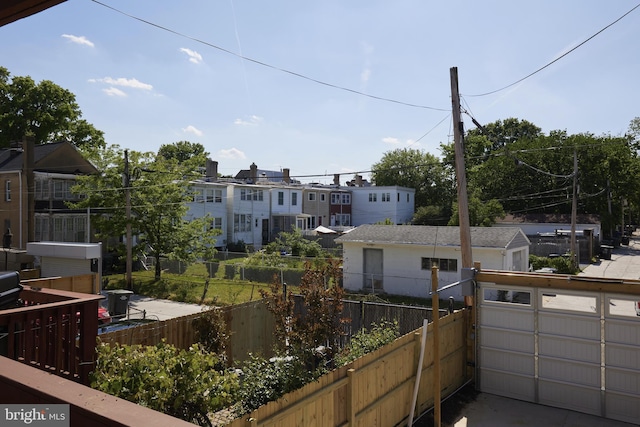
pixel 576 350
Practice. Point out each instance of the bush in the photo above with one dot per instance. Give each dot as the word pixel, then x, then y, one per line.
pixel 561 264
pixel 181 383
pixel 265 380
pixel 364 341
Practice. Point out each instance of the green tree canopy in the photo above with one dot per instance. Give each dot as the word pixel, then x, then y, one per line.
pixel 419 170
pixel 183 151
pixel 43 110
pixel 159 191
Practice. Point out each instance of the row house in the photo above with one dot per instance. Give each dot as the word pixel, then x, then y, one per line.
pixel 256 205
pixel 375 204
pixel 37 182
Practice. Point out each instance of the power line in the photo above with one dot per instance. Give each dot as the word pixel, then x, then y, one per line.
pixel 264 64
pixel 558 58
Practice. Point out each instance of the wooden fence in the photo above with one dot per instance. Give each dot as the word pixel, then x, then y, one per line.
pixel 85 284
pixel 377 389
pixel 249 325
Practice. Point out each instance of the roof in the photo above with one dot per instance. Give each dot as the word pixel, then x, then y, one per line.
pixel 55 157
pixel 12 10
pixel 481 237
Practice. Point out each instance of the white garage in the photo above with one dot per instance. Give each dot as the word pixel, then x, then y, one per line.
pixel 62 259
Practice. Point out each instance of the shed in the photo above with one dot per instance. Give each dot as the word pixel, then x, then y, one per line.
pixel 63 259
pixel 397 259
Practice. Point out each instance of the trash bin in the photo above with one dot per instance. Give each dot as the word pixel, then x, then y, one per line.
pixel 118 301
pixel 605 251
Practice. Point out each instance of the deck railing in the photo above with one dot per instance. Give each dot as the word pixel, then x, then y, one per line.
pixel 52 330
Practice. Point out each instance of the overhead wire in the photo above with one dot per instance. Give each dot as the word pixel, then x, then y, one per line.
pixel 267 65
pixel 558 58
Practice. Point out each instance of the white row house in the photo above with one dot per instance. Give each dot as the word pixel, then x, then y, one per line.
pixel 253 209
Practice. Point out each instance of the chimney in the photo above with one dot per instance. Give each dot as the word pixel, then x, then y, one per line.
pixel 212 170
pixel 336 179
pixel 285 175
pixel 358 180
pixel 253 172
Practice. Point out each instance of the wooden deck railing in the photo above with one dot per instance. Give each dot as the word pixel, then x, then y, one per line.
pixel 53 330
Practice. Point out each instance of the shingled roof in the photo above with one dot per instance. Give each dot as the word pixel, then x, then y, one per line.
pixel 481 237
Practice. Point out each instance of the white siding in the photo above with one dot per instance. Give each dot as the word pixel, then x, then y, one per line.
pixel 403 273
pixel 64 267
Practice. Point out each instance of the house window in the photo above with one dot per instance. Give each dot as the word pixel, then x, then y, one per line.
pixel 343 219
pixel 241 222
pixel 7 191
pixel 386 197
pixel 214 196
pixel 243 194
pixel 443 264
pixel 323 197
pixel 346 198
pixel 198 196
pixel 312 197
pixel 294 199
pixel 280 198
pixel 407 197
pixel 335 198
pixel 216 223
pixel 398 197
pixel 373 197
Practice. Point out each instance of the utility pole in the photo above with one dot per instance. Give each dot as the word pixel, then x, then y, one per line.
pixel 575 254
pixel 126 180
pixel 461 176
pixel 463 219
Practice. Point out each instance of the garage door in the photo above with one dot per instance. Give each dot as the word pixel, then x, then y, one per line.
pixel 570 349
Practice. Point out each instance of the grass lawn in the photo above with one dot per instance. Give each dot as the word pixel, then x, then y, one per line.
pixel 190 288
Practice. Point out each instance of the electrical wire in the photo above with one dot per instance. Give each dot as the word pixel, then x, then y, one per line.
pixel 558 58
pixel 264 64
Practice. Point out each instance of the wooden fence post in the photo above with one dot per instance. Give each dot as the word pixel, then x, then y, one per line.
pixel 351 399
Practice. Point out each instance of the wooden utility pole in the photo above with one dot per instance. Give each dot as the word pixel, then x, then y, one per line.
pixel 126 181
pixel 461 176
pixel 575 254
pixel 463 216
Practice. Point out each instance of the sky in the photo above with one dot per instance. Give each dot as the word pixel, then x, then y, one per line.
pixel 328 87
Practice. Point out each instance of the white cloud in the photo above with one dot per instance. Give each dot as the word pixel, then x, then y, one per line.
pixel 231 154
pixel 132 83
pixel 78 39
pixel 194 56
pixel 193 130
pixel 113 91
pixel 391 140
pixel 253 121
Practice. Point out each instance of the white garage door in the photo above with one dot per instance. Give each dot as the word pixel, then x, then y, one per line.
pixel 574 350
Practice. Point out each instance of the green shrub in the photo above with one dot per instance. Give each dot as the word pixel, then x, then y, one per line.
pixel 181 383
pixel 265 380
pixel 561 264
pixel 364 341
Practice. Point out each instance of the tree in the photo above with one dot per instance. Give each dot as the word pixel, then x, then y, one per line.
pixel 419 170
pixel 43 110
pixel 159 191
pixel 183 151
pixel 481 214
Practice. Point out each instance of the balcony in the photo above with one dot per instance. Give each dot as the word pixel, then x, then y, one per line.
pixel 52 330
